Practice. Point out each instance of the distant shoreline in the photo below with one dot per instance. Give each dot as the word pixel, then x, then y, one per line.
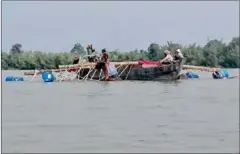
pixel 215 53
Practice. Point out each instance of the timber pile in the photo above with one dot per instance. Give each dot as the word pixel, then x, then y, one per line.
pixel 87 64
pixel 200 68
pixel 90 65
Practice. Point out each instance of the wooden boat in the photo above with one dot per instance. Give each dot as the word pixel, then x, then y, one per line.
pixel 135 71
pixel 126 71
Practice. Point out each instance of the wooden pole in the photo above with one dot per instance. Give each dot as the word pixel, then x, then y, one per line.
pixel 185 67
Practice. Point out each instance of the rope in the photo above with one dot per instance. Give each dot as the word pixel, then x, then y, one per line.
pixel 100 75
pixel 78 73
pixel 123 70
pixel 93 74
pixel 35 74
pixel 66 74
pixel 90 70
pixel 129 72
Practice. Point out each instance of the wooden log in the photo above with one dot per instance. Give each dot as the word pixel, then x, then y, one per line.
pixel 200 68
pixel 87 64
pixel 185 67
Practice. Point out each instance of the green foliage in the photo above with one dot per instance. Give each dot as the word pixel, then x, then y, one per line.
pixel 16 48
pixel 214 53
pixel 78 49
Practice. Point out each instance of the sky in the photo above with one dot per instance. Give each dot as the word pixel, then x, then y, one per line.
pixel 55 26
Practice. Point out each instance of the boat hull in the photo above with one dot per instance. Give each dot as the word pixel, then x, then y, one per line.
pixel 136 72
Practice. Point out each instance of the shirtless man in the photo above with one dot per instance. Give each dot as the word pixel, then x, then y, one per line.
pixel 105 60
pixel 168 58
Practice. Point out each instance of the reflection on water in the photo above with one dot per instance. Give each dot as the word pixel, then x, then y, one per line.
pixel 183 116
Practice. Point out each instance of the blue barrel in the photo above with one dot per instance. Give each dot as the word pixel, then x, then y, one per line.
pixel 48 76
pixel 220 74
pixel 189 75
pixel 195 75
pixel 225 73
pixel 12 78
pixel 192 75
pixel 217 75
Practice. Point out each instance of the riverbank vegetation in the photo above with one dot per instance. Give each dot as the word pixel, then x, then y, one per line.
pixel 215 53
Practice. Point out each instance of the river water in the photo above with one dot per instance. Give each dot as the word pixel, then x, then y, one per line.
pixel 184 116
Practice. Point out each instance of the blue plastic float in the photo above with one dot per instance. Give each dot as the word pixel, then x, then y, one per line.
pixel 192 75
pixel 220 74
pixel 48 76
pixel 12 78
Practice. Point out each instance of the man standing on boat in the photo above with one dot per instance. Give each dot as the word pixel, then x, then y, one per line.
pixel 105 59
pixel 90 50
pixel 178 55
pixel 93 56
pixel 109 69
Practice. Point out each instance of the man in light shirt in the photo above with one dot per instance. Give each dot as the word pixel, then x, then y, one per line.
pixel 178 55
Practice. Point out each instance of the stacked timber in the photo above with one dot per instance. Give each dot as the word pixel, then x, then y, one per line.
pixel 184 67
pixel 87 64
pixel 200 68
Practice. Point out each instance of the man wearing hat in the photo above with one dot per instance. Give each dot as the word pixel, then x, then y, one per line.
pixel 178 55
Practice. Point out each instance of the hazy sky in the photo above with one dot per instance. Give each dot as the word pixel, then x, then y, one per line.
pixel 57 26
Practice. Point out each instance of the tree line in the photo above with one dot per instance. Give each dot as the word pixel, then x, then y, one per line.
pixel 214 54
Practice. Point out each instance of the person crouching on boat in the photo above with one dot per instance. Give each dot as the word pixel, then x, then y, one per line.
pixel 168 58
pixel 105 60
pixel 41 69
pixel 76 60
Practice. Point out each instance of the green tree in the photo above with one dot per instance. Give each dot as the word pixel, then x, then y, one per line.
pixel 16 48
pixel 214 53
pixel 78 49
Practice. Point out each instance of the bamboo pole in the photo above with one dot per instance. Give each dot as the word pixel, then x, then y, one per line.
pixel 185 67
pixel 200 68
pixel 87 64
